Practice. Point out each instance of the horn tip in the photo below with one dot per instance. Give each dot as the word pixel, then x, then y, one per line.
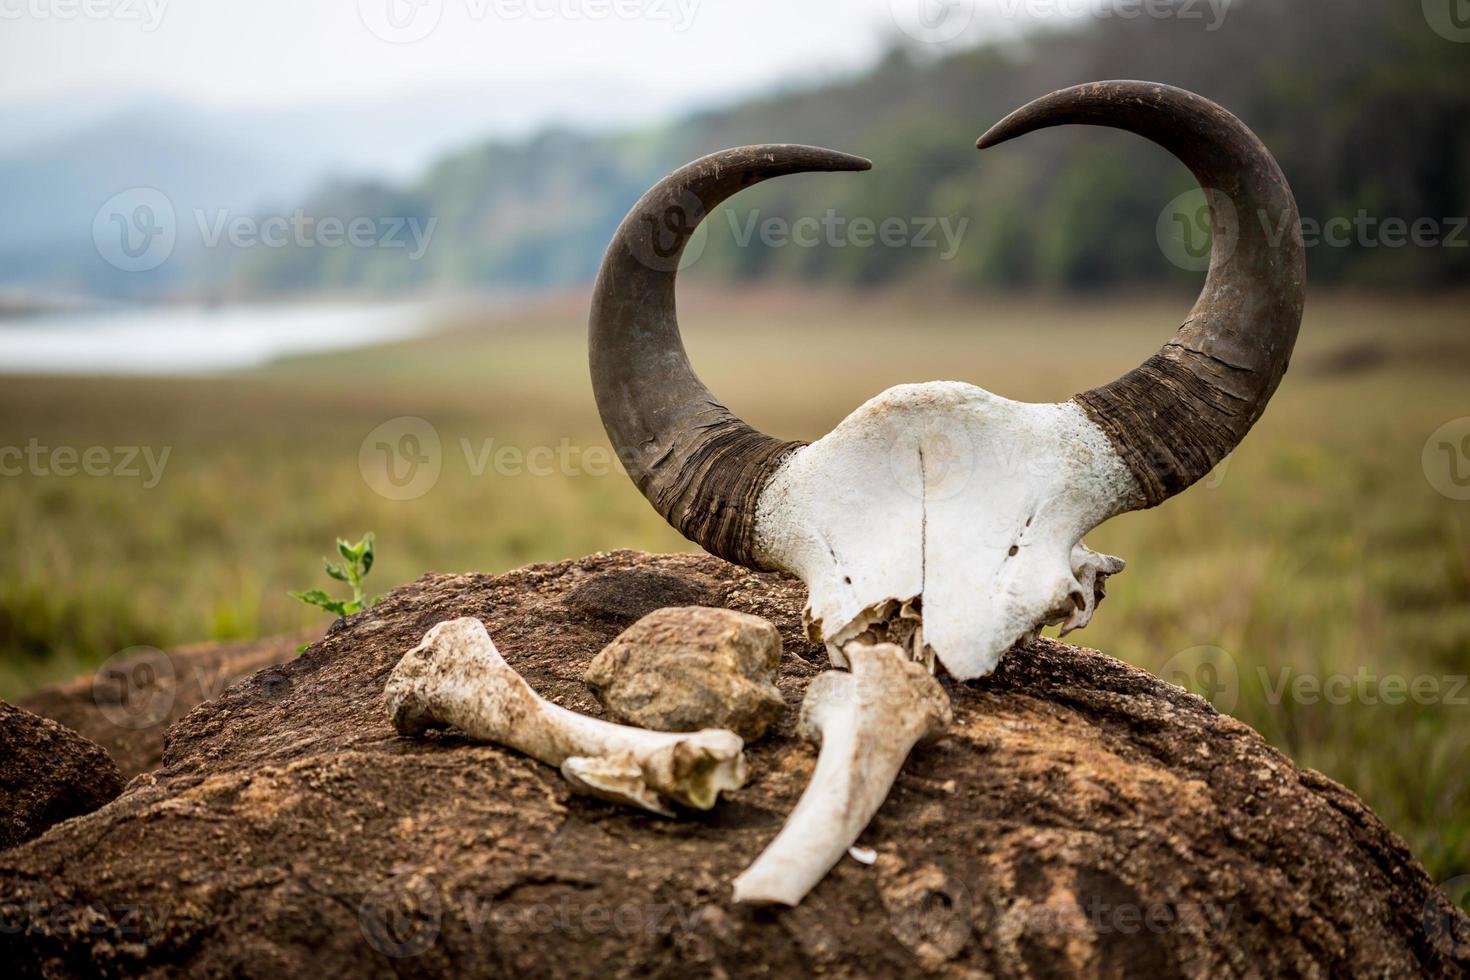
pixel 849 163
pixel 797 158
pixel 1084 104
pixel 1001 132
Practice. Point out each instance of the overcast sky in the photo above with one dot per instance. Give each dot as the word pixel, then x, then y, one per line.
pixel 278 52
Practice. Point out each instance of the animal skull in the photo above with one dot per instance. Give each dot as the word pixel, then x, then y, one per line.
pixel 941 517
pixel 951 509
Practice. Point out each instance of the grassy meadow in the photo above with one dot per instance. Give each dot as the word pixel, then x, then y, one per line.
pixel 1321 552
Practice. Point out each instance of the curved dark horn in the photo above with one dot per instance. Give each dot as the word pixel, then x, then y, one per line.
pixel 700 466
pixel 1187 407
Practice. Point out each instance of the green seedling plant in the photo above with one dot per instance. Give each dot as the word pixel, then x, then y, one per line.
pixel 357 561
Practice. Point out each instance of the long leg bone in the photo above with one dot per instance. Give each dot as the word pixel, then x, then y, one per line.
pixel 456 677
pixel 867 721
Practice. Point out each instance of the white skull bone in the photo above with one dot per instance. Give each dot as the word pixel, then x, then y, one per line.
pixel 945 500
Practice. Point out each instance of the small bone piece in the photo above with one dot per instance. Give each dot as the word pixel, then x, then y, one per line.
pixel 867 721
pixel 686 668
pixel 456 677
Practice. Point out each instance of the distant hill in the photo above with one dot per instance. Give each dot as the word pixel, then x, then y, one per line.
pixel 1366 106
pixel 50 195
pixel 62 159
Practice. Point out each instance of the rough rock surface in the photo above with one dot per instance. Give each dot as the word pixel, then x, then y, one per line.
pixel 127 705
pixel 685 668
pixel 48 773
pixel 1080 818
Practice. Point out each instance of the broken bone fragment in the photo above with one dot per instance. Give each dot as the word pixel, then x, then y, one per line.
pixel 455 677
pixel 1091 569
pixel 867 721
pixel 683 669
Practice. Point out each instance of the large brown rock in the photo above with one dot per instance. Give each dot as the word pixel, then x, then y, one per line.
pixel 1082 818
pixel 48 773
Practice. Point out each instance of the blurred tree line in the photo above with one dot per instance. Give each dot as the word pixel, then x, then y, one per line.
pixel 1366 106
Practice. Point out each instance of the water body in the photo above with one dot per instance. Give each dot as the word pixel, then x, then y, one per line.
pixel 187 341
